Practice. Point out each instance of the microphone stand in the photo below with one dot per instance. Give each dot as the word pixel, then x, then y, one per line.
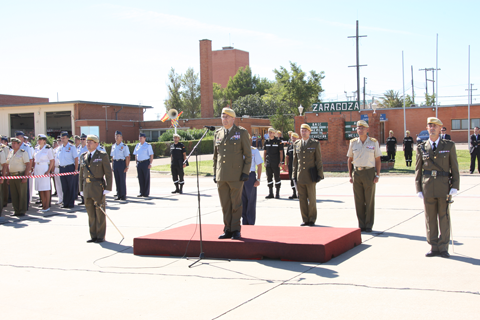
pixel 202 254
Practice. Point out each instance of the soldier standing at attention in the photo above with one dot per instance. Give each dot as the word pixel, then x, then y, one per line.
pixel 3 168
pixel 273 158
pixel 178 155
pixel 6 150
pixel 58 182
pixel 95 183
pixel 408 148
pixel 18 165
pixel 29 150
pixel 307 171
pixel 68 159
pixel 232 159
pixel 293 137
pixel 249 193
pixel 436 178
pixel 475 150
pixel 391 146
pixel 144 158
pixel 364 153
pixel 121 161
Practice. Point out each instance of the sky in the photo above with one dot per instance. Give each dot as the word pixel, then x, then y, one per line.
pixel 122 51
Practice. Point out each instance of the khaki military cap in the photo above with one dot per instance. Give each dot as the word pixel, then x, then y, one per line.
pixel 92 137
pixel 290 132
pixel 295 135
pixel 391 131
pixel 408 131
pixel 434 121
pixel 176 135
pixel 362 123
pixel 305 126
pixel 229 112
pixel 272 130
pixel 15 140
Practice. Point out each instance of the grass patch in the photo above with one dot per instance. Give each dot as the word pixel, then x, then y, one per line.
pixel 205 168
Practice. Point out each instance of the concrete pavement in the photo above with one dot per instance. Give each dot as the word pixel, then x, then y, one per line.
pixel 48 271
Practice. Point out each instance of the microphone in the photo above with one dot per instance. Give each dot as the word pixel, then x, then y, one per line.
pixel 211 128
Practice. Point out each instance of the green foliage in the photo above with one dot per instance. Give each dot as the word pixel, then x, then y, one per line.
pixel 244 83
pixel 185 135
pixel 253 105
pixel 174 100
pixel 429 100
pixel 298 88
pixel 34 140
pixel 408 101
pixel 220 99
pixel 281 121
pixel 184 93
pixel 391 99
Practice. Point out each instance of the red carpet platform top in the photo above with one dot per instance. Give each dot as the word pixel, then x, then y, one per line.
pixel 307 244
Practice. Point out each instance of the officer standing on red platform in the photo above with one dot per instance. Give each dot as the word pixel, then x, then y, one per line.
pixel 273 158
pixel 178 155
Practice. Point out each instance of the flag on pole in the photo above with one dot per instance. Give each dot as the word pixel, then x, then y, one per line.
pixel 165 117
pixel 175 121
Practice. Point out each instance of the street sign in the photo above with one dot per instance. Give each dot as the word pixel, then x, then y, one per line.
pixel 338 106
pixel 319 130
pixel 364 117
pixel 351 130
pixel 383 117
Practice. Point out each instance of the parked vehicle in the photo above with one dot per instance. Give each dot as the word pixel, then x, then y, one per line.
pixel 422 136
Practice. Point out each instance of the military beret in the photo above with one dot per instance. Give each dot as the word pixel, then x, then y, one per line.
pixel 118 132
pixel 19 133
pixel 305 126
pixel 92 137
pixel 434 121
pixel 229 112
pixel 272 130
pixel 295 135
pixel 15 140
pixel 142 135
pixel 362 123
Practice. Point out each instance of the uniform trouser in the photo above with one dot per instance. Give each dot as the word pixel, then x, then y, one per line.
pixel 96 218
pixel 120 177
pixel 58 185
pixel 144 177
pixel 68 187
pixel 177 174
pixel 475 155
pixel 391 155
pixel 364 194
pixel 75 184
pixel 435 214
pixel 5 193
pixel 19 195
pixel 230 194
pixel 249 200
pixel 308 201
pixel 1 194
pixel 290 175
pixel 273 172
pixel 30 191
pixel 408 157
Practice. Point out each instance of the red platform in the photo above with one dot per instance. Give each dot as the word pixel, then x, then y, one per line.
pixel 308 244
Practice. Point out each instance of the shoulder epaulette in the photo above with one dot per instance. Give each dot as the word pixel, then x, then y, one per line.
pixel 373 139
pixel 22 150
pixel 254 148
pixel 219 129
pixel 354 139
pixel 48 146
pixel 84 153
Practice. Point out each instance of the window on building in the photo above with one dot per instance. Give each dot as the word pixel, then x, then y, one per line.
pixel 90 130
pixel 462 124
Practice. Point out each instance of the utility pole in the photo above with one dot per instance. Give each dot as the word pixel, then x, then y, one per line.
pixel 432 80
pixel 364 82
pixel 358 64
pixel 413 89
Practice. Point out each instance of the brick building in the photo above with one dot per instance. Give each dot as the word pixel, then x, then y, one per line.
pixel 226 62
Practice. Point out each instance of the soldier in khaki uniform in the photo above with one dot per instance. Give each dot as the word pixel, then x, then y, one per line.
pixel 6 149
pixel 232 158
pixel 307 160
pixel 94 183
pixel 18 165
pixel 436 164
pixel 364 153
pixel 4 168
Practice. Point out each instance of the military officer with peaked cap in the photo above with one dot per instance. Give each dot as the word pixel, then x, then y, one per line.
pixel 120 154
pixel 178 155
pixel 364 170
pixel 232 159
pixel 307 165
pixel 436 177
pixel 144 157
pixel 18 165
pixel 95 183
pixel 68 162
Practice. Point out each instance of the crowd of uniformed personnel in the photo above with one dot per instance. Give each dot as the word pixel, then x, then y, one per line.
pixel 237 165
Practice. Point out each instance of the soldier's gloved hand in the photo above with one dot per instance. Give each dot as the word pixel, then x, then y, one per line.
pixel 244 177
pixel 420 194
pixel 215 179
pixel 453 191
pixel 318 179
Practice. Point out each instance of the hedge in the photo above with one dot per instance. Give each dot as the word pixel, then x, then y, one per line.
pixel 162 149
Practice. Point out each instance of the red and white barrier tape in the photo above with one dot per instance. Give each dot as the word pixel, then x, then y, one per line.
pixel 40 176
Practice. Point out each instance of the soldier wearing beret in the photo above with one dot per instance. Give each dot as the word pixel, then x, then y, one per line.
pixel 436 179
pixel 273 158
pixel 232 159
pixel 95 183
pixel 178 155
pixel 408 148
pixel 120 154
pixel 18 165
pixel 307 171
pixel 293 137
pixel 364 170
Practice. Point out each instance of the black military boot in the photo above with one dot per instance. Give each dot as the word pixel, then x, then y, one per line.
pixel 176 189
pixel 294 195
pixel 181 188
pixel 270 193
pixel 277 195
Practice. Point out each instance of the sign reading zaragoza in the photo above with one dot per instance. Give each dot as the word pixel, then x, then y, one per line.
pixel 335 106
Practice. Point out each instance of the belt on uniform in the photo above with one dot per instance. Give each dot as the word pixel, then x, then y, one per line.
pixel 435 173
pixel 88 179
pixel 68 165
pixel 121 160
pixel 363 168
pixel 41 163
pixel 16 173
pixel 143 160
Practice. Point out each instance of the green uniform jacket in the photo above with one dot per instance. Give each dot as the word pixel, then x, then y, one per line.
pixel 100 167
pixel 445 159
pixel 232 154
pixel 305 158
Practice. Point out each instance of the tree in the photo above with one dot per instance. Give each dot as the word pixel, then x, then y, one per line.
pixel 191 94
pixel 408 101
pixel 244 83
pixel 220 100
pixel 299 89
pixel 391 99
pixel 253 105
pixel 429 99
pixel 282 120
pixel 174 100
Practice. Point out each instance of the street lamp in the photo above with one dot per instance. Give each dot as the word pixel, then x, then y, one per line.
pixel 374 106
pixel 300 110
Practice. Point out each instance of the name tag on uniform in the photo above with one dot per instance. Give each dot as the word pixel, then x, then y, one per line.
pixel 274 145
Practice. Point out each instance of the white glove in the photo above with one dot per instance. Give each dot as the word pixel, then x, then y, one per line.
pixel 81 193
pixel 106 191
pixel 453 191
pixel 420 194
